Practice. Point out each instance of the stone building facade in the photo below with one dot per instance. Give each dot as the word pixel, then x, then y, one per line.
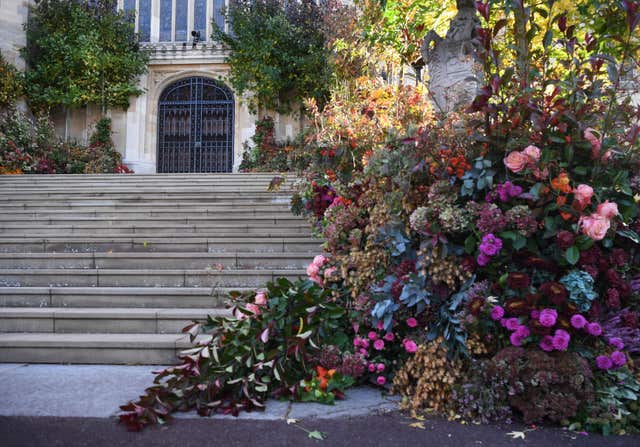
pixel 199 124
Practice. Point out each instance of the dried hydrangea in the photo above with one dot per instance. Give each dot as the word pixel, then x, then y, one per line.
pixel 419 219
pixel 522 219
pixel 489 219
pixel 454 219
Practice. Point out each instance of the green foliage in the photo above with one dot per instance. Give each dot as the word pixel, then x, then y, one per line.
pixel 264 350
pixel 79 53
pixel 10 83
pixel 277 52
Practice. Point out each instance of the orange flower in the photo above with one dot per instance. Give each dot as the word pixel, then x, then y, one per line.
pixel 561 200
pixel 561 183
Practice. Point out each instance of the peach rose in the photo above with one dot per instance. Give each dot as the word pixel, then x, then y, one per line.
pixel 533 152
pixel 608 210
pixel 595 226
pixel 582 195
pixel 260 299
pixel 516 161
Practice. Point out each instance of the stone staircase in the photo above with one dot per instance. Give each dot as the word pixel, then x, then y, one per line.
pixel 110 268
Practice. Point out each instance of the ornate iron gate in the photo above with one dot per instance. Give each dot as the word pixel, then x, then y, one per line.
pixel 195 127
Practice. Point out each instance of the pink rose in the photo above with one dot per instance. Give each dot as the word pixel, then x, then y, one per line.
pixel 410 346
pixel 595 226
pixel 608 209
pixel 378 345
pixel 381 380
pixel 372 335
pixel 582 195
pixel 371 367
pixel 313 270
pixel 533 152
pixel 254 309
pixel 412 322
pixel 516 161
pixel 319 260
pixel 595 142
pixel 328 273
pixel 380 367
pixel 261 299
pixel 388 336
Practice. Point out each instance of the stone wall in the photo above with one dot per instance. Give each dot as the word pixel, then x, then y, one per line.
pixel 13 13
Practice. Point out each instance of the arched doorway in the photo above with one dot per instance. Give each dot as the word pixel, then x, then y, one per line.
pixel 195 127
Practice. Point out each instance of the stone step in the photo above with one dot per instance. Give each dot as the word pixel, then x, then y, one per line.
pixel 215 220
pixel 232 244
pixel 61 320
pixel 107 297
pixel 143 277
pixel 230 215
pixel 252 206
pixel 152 260
pixel 135 349
pixel 44 230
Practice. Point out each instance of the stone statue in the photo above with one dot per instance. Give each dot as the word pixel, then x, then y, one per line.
pixel 453 75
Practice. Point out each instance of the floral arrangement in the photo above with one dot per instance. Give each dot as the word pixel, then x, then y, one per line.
pixel 484 264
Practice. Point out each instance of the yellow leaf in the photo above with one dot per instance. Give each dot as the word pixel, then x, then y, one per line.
pixel 419 425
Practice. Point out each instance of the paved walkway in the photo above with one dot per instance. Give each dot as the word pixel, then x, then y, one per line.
pixel 59 405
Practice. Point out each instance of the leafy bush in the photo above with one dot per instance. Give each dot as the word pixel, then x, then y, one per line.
pixel 266 349
pixel 10 83
pixel 28 147
pixel 81 53
pixel 277 52
pixel 266 154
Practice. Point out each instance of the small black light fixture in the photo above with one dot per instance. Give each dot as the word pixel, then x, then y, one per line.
pixel 196 38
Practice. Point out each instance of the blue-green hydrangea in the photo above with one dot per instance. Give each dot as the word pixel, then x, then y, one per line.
pixel 579 284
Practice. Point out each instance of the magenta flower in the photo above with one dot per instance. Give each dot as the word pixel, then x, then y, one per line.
pixel 483 260
pixel 561 340
pixel 380 325
pixel 381 380
pixel 548 317
pixel 364 343
pixel 356 342
pixel 578 321
pixel 380 367
pixel 516 339
pixel 410 346
pixel 412 322
pixel 490 245
pixel 372 335
pixel 618 359
pixel 512 324
pixel 497 313
pixel 388 336
pixel 378 345
pixel 594 329
pixel 604 362
pixel 616 343
pixel 523 331
pixel 364 352
pixel 371 367
pixel 546 344
pixel 535 314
